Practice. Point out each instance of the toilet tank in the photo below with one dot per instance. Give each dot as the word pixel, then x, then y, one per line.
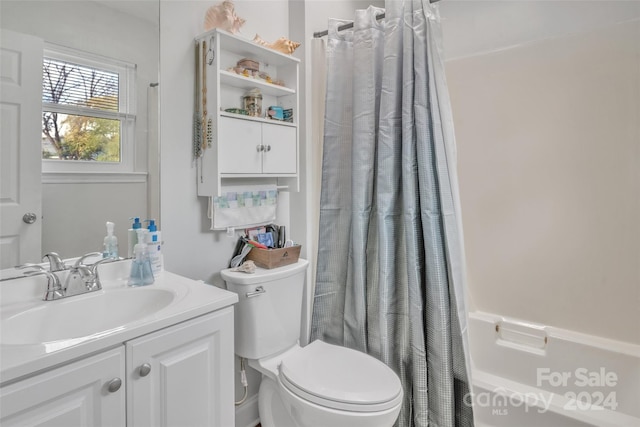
pixel 268 312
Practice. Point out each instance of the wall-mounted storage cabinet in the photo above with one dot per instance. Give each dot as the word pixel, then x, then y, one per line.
pixel 240 146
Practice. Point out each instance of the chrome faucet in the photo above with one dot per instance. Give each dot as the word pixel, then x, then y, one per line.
pixel 80 278
pixel 55 262
pixel 84 278
pixel 54 288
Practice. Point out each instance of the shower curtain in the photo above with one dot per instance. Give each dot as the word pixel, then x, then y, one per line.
pixel 390 268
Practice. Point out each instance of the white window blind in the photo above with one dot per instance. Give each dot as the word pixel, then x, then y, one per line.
pixel 67 83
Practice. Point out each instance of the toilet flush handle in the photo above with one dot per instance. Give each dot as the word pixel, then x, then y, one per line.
pixel 259 291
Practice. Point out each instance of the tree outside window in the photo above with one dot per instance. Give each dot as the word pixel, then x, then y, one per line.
pixel 80 112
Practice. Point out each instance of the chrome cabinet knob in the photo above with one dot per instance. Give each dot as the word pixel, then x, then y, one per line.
pixel 260 148
pixel 29 217
pixel 144 370
pixel 114 385
pixel 268 148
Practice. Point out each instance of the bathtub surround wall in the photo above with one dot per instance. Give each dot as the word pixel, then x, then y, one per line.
pixel 546 102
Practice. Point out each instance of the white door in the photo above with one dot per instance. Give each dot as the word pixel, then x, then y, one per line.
pixel 20 148
pixel 183 375
pixel 84 393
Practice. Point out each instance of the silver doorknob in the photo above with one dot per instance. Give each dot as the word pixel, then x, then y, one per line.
pixel 144 370
pixel 29 217
pixel 114 385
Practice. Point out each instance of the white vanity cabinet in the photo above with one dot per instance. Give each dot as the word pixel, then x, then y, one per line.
pixel 245 148
pixel 89 392
pixel 181 375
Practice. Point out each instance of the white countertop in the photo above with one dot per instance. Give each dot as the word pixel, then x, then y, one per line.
pixel 192 299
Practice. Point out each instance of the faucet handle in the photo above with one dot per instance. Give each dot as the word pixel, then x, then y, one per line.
pixel 94 271
pixel 36 267
pixel 94 266
pixel 54 288
pixel 55 261
pixel 80 260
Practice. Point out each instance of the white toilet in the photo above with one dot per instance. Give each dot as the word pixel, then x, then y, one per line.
pixel 320 385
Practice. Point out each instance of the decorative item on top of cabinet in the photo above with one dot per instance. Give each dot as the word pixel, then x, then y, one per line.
pixel 283 44
pixel 247 145
pixel 223 16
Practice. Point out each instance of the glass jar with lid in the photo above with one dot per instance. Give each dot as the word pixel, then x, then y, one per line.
pixel 252 101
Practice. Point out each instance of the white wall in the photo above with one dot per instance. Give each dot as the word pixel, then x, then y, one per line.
pixel 82 208
pixel 191 249
pixel 546 102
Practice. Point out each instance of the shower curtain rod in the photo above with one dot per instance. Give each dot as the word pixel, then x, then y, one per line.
pixel 319 34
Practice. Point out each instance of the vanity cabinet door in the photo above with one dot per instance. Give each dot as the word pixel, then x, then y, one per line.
pixel 83 393
pixel 183 375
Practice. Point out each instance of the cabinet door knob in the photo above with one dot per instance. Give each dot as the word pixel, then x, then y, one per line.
pixel 268 148
pixel 260 148
pixel 144 370
pixel 114 385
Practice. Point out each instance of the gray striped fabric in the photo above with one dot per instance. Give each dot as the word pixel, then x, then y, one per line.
pixel 390 274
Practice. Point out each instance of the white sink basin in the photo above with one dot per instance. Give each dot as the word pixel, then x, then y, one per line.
pixel 36 335
pixel 82 317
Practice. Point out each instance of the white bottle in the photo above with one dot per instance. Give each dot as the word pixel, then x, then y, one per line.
pixel 132 237
pixel 154 247
pixel 110 247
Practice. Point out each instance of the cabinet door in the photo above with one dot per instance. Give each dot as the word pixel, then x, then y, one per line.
pixel 239 146
pixel 280 155
pixel 190 381
pixel 73 395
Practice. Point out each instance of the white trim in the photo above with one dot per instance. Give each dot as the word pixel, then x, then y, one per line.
pixel 85 111
pixel 247 413
pixel 93 177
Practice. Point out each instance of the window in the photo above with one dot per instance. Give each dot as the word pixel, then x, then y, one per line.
pixel 88 112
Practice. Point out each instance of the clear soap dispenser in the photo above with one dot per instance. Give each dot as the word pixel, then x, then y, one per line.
pixel 141 273
pixel 110 243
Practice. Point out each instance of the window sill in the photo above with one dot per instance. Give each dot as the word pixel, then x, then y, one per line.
pixel 93 177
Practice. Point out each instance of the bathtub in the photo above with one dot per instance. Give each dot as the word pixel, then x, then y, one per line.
pixel 533 375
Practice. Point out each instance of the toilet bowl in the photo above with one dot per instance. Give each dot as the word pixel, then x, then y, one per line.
pixel 313 386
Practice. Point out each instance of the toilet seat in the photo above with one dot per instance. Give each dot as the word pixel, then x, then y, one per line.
pixel 340 378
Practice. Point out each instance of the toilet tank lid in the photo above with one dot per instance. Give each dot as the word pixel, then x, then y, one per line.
pixel 342 375
pixel 264 275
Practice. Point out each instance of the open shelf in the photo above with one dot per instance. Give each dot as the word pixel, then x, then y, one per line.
pixel 247 83
pixel 247 47
pixel 256 119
